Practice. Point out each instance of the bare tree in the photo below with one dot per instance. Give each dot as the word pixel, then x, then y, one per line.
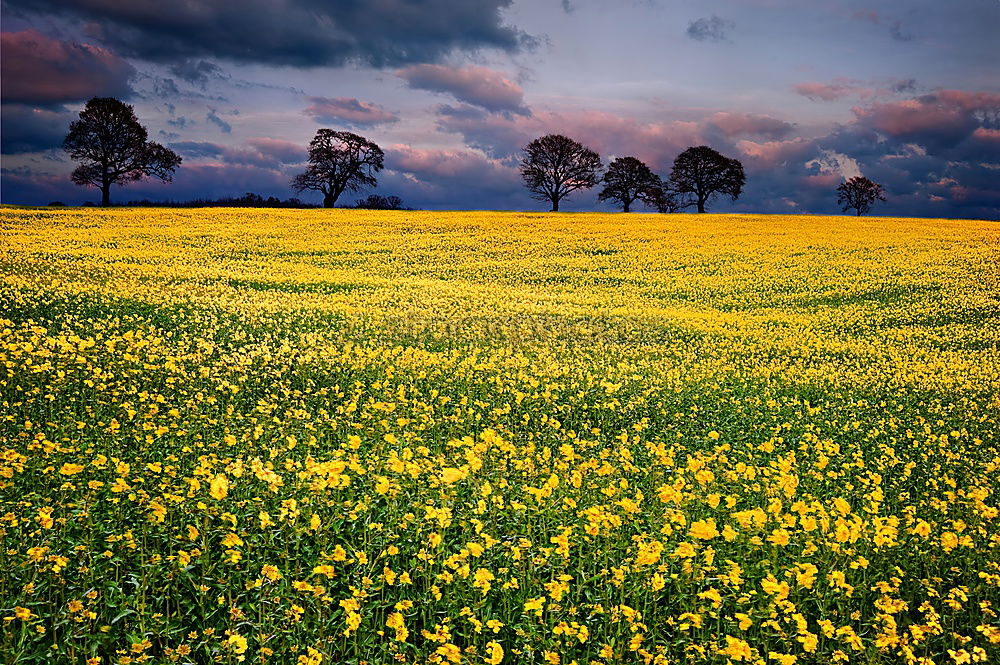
pixel 625 181
pixel 112 148
pixel 859 193
pixel 339 162
pixel 705 173
pixel 554 166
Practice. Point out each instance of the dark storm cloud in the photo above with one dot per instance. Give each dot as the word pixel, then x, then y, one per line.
pixel 197 149
pixel 196 72
pixel 40 70
pixel 260 152
pixel 291 32
pixel 348 111
pixel 479 86
pixel 213 117
pixel 711 28
pixel 748 124
pixel 939 120
pixel 27 129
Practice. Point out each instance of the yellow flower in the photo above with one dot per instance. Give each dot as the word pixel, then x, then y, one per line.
pixel 779 537
pixel 396 622
pixel 68 469
pixel 481 579
pixel 236 643
pixel 736 649
pixel 774 588
pixel 494 653
pixel 310 657
pixel 22 613
pixel 703 530
pixel 219 487
pixel 534 605
pixel 451 475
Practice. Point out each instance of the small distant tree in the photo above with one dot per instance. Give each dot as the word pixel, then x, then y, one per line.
pixel 339 162
pixel 376 202
pixel 704 173
pixel 554 166
pixel 626 180
pixel 112 148
pixel 859 194
pixel 664 199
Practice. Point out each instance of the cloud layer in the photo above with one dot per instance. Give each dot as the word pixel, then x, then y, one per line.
pixel 43 71
pixel 348 111
pixel 305 33
pixel 478 86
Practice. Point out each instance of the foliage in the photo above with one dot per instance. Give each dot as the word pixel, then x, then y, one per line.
pixel 339 162
pixel 554 166
pixel 705 173
pixel 859 194
pixel 247 200
pixel 663 198
pixel 627 180
pixel 234 436
pixel 378 202
pixel 111 145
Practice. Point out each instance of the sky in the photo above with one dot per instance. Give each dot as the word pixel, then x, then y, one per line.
pixel 805 94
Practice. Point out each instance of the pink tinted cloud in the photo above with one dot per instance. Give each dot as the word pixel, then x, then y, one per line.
pixel 839 88
pixel 936 115
pixel 771 154
pixel 747 124
pixel 434 164
pixel 656 143
pixel 40 70
pixel 822 180
pixel 968 101
pixel 285 152
pixel 348 110
pixel 479 86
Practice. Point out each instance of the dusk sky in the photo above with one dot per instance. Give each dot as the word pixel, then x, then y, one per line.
pixel 803 93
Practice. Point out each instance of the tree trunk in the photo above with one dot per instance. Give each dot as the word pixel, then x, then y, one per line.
pixel 701 205
pixel 859 211
pixel 106 194
pixel 555 205
pixel 329 200
pixel 627 204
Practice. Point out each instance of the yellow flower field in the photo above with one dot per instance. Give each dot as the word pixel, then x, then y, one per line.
pixel 311 437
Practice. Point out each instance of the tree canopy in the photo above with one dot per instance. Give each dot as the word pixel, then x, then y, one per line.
pixel 859 194
pixel 554 166
pixel 339 162
pixel 113 149
pixel 705 173
pixel 628 179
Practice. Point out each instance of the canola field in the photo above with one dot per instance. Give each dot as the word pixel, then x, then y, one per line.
pixel 316 437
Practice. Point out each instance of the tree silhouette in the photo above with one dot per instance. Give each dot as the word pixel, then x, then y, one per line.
pixel 665 199
pixel 112 148
pixel 554 166
pixel 705 173
pixel 626 180
pixel 339 162
pixel 859 193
